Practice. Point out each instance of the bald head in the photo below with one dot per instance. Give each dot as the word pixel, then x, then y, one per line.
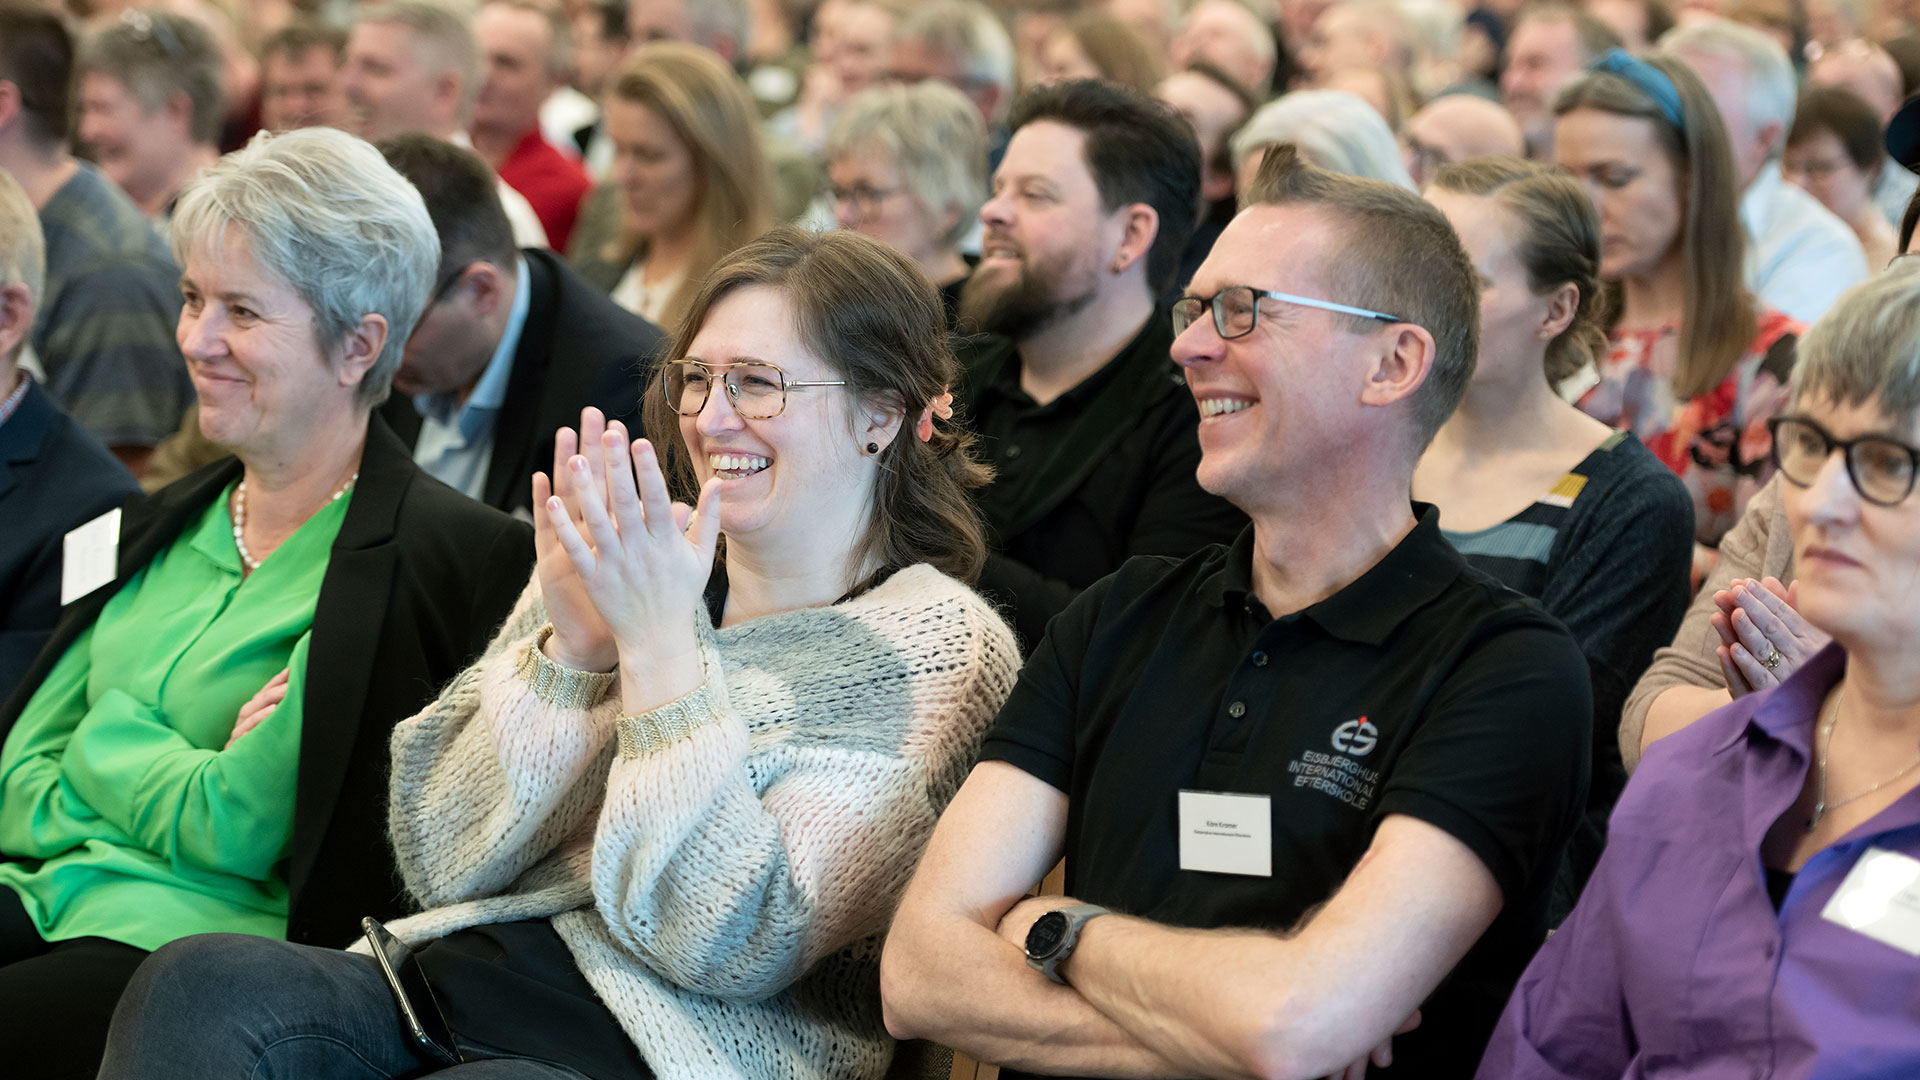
pixel 1864 68
pixel 1457 127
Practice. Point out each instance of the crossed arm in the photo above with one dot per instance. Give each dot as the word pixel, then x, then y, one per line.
pixel 1151 1000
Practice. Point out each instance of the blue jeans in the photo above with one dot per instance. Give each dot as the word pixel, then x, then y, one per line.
pixel 235 1006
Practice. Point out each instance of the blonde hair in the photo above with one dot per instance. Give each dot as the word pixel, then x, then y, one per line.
pixel 1720 319
pixel 1117 50
pixel 699 97
pixel 1557 234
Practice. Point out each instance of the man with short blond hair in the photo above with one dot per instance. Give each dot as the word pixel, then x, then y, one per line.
pixel 1305 784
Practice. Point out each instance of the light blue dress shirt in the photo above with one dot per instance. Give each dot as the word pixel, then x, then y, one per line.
pixel 1800 257
pixel 456 438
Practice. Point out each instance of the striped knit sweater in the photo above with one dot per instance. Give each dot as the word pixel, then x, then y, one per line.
pixel 723 868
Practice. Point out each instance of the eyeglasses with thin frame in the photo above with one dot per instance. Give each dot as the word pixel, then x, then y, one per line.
pixel 1882 469
pixel 864 199
pixel 440 292
pixel 1236 309
pixel 758 391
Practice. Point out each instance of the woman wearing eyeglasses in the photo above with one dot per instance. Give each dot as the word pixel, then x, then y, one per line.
pixel 1697 364
pixel 909 168
pixel 1757 910
pixel 1531 490
pixel 659 828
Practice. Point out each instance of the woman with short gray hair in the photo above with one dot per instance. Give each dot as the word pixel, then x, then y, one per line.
pixel 1333 129
pixel 1757 866
pixel 909 168
pixel 201 746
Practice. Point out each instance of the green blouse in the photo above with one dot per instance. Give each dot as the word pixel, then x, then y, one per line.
pixel 128 818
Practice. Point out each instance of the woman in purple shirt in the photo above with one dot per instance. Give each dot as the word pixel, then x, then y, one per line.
pixel 1757 910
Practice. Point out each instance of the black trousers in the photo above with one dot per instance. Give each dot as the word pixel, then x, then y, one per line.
pixel 56 998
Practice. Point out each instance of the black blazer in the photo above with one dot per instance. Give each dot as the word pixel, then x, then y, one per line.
pixel 418 580
pixel 53 477
pixel 577 348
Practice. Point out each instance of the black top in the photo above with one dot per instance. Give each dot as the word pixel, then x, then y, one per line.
pixel 1778 882
pixel 1607 551
pixel 1424 688
pixel 1098 475
pixel 54 477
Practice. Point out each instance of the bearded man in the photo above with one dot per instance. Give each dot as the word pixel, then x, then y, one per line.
pixel 1070 385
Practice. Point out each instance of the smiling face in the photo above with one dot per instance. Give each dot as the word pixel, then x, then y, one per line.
pixel 1274 402
pixel 253 352
pixel 1620 161
pixel 801 469
pixel 652 169
pixel 137 149
pixel 1047 235
pixel 390 88
pixel 1511 315
pixel 871 196
pixel 514 43
pixel 1857 565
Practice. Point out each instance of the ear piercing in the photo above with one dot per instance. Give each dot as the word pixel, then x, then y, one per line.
pixel 873 448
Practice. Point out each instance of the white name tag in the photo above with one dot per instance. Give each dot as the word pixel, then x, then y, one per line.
pixel 88 559
pixel 1226 834
pixel 1881 899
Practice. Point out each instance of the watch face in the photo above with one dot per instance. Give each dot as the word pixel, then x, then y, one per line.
pixel 1047 933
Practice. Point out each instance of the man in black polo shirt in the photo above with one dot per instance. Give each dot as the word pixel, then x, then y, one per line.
pixel 1322 776
pixel 1078 406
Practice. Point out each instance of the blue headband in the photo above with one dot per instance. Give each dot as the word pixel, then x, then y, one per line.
pixel 1649 79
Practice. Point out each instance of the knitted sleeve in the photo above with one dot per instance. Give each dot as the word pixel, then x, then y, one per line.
pixel 507 764
pixel 772 817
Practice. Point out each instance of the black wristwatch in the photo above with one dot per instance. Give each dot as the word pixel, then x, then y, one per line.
pixel 1052 937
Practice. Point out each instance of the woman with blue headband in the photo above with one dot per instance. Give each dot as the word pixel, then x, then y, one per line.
pixel 1697 364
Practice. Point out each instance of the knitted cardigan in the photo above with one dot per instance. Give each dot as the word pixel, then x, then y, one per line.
pixel 723 868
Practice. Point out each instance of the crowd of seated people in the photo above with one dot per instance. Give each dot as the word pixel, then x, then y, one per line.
pixel 926 539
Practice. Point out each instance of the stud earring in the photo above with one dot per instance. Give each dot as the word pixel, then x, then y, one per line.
pixel 873 448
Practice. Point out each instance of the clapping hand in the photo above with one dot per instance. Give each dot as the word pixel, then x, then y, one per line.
pixel 642 559
pixel 580 637
pixel 259 707
pixel 1763 638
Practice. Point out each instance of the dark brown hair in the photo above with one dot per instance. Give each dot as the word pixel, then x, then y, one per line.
pixel 1399 256
pixel 1720 318
pixel 1557 237
pixel 879 323
pixel 36 56
pixel 1846 115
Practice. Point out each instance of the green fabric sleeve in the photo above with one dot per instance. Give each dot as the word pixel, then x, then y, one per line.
pixel 44 815
pixel 229 811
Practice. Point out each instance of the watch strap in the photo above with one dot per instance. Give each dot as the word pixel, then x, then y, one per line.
pixel 1077 916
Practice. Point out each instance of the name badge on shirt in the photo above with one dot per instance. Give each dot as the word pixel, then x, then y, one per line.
pixel 90 556
pixel 1226 834
pixel 1881 899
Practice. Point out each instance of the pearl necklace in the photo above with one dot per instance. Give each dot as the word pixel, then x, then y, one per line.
pixel 240 519
pixel 1820 804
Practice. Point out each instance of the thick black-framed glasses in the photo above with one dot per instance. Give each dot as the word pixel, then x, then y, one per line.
pixel 758 391
pixel 1236 309
pixel 1882 469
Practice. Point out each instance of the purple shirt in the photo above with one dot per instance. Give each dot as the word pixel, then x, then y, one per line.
pixel 1675 965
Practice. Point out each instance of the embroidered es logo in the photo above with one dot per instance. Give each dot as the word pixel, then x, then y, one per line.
pixel 1356 737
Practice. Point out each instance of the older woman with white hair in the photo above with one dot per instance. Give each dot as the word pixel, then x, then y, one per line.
pixel 1753 913
pixel 1334 129
pixel 202 744
pixel 909 169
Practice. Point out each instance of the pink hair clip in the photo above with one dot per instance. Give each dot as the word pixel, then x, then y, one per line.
pixel 941 406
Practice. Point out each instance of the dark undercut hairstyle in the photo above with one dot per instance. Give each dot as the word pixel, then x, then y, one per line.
pixel 36 56
pixel 462 198
pixel 1138 150
pixel 1398 255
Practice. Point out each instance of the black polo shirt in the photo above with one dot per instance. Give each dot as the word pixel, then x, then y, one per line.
pixel 1424 688
pixel 1092 478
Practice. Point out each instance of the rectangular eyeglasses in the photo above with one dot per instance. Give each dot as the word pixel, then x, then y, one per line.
pixel 1236 309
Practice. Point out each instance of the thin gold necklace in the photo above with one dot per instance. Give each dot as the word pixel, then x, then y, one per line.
pixel 1820 803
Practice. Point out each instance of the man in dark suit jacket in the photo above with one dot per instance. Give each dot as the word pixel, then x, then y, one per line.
pixel 513 344
pixel 53 475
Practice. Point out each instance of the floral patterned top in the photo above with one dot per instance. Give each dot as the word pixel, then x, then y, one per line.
pixel 1717 441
